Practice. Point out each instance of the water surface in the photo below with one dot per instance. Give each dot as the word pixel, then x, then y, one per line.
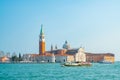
pixel 56 72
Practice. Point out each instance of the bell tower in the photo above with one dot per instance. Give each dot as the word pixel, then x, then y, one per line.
pixel 41 41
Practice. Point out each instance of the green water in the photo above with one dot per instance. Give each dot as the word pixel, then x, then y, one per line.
pixel 56 72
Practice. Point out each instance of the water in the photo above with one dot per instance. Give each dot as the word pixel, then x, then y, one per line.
pixel 56 72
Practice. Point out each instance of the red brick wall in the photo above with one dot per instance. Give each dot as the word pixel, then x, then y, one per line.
pixel 94 58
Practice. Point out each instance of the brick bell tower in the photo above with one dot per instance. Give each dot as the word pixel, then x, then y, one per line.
pixel 41 42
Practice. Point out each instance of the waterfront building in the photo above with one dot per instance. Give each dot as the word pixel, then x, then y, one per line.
pixel 4 59
pixel 28 57
pixel 99 57
pixel 67 54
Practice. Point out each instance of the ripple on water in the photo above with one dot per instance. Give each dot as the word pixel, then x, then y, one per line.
pixel 56 72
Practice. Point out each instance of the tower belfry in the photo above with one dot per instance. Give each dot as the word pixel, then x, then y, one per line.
pixel 42 41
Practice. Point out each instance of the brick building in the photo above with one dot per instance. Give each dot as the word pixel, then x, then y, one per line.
pixel 99 57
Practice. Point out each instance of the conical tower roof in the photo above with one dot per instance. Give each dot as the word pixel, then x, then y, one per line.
pixel 41 31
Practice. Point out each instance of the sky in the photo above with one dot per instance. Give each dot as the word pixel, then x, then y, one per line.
pixel 92 24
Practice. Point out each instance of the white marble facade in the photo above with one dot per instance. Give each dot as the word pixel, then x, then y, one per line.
pixel 80 56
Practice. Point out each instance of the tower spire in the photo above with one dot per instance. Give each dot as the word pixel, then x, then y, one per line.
pixel 51 47
pixel 41 41
pixel 41 32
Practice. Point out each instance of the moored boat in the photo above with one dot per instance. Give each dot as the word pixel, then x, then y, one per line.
pixel 77 64
pixel 105 62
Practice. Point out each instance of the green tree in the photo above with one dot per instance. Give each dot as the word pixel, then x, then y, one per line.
pixel 20 58
pixel 14 57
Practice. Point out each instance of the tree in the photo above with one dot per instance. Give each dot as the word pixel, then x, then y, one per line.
pixel 14 57
pixel 20 58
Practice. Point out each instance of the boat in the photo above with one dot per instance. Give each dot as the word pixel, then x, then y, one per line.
pixel 105 62
pixel 76 64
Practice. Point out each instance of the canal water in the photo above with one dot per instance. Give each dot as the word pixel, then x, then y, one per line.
pixel 54 71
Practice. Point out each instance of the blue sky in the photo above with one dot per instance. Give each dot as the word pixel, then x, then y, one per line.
pixel 94 24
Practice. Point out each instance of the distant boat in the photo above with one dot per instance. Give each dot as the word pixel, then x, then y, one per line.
pixel 105 62
pixel 76 64
pixel 43 61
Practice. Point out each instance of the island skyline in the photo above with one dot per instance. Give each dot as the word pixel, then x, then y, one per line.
pixel 92 24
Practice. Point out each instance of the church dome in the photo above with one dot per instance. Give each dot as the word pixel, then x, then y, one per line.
pixel 66 45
